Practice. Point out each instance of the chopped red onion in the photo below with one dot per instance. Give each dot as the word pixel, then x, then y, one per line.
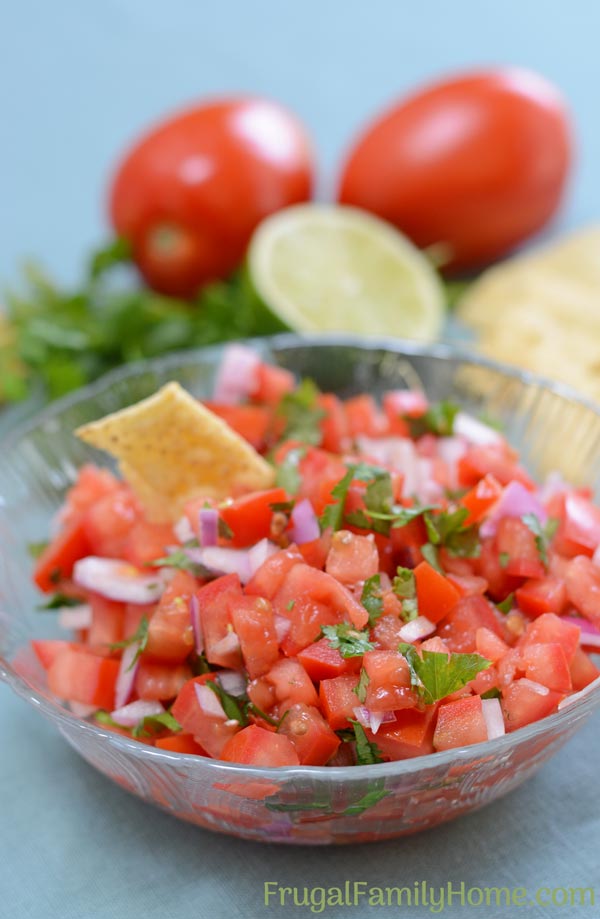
pixel 117 580
pixel 418 628
pixel 223 560
pixel 305 524
pixel 534 687
pixel 554 485
pixel 582 521
pixel 372 720
pixel 209 526
pixel 384 581
pixel 410 402
pixel 232 681
pixel 450 450
pixel 515 501
pixel 227 644
pixel 494 719
pixel 259 553
pixel 475 431
pixel 282 627
pixel 82 710
pixel 237 376
pixel 127 674
pixel 209 702
pixel 196 624
pixel 590 634
pixel 75 617
pixel 183 530
pixel 130 715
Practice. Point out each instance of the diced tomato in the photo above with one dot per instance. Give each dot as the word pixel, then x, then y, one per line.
pixel 411 734
pixel 170 635
pixel 338 700
pixel 217 625
pixel 254 625
pixel 459 628
pixel 583 670
pixel 273 383
pixel 58 558
pixel 488 566
pixel 255 746
pixel 180 743
pixel 485 680
pixel 547 664
pixel 352 558
pixel 469 585
pixel 544 595
pixel 516 542
pixel 436 595
pixel 304 582
pixel 147 542
pixel 334 426
pixel 82 677
pixel 107 522
pixel 582 521
pixel 407 542
pixel 91 485
pixel 272 573
pixel 389 684
pixel 313 739
pixel 211 731
pixel 459 724
pixel 583 587
pixel 322 662
pixel 160 682
pixel 134 613
pixel 48 650
pixel 262 693
pixel 320 471
pixel 522 704
pixel 494 460
pixel 316 551
pixel 386 632
pixel 399 404
pixel 249 517
pixel 550 629
pixel 108 621
pixel 252 422
pixel 481 498
pixel 489 644
pixel 291 683
pixel 364 417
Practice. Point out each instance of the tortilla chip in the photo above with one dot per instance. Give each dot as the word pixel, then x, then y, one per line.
pixel 170 448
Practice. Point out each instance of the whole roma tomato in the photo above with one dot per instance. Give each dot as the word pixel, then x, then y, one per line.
pixel 477 163
pixel 189 194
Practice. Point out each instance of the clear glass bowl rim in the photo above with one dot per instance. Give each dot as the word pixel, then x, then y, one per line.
pixel 586 699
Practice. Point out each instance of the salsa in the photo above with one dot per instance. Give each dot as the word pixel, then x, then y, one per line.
pixel 402 587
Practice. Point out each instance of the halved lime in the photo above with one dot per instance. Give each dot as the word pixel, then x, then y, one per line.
pixel 323 268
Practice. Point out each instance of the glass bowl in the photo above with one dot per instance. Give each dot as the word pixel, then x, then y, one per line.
pixel 553 428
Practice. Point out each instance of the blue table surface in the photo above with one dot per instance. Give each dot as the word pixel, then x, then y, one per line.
pixel 77 81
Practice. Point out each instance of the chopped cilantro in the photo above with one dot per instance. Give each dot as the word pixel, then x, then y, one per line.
pixel 430 554
pixel 225 531
pixel 333 514
pixel 287 475
pixel 180 559
pixel 371 598
pixel 200 665
pixel 346 736
pixel 231 704
pixel 361 688
pixel 367 753
pixel 35 549
pixel 58 601
pixel 103 717
pixel 543 534
pixel 152 724
pixel 507 604
pixel 438 419
pixel 447 529
pixel 139 637
pixel 348 640
pixel 302 414
pixel 253 709
pixel 436 675
pixel 503 559
pixel 404 586
pixel 290 605
pixel 493 693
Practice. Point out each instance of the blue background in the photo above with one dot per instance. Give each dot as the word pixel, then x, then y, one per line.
pixel 77 82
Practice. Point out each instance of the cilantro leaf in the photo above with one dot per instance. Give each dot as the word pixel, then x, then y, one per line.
pixel 375 794
pixel 224 530
pixel 438 419
pixel 140 636
pixel 436 675
pixel 35 549
pixel 180 559
pixel 493 693
pixel 543 534
pixel 361 688
pixel 302 414
pixel 154 723
pixel 503 559
pixel 103 717
pixel 430 554
pixel 447 529
pixel 371 598
pixel 507 604
pixel 348 640
pixel 367 753
pixel 231 704
pixel 287 475
pixel 58 601
pixel 333 514
pixel 405 587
